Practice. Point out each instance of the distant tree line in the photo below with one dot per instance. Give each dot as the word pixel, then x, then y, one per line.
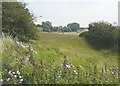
pixel 47 27
pixel 18 21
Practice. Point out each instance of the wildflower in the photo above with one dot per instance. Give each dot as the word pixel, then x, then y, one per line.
pixel 75 72
pixel 13 72
pixel 112 72
pixel 68 66
pixel 21 80
pixel 9 72
pixel 8 79
pixel 15 76
pixel 27 59
pixel 18 72
pixel 20 76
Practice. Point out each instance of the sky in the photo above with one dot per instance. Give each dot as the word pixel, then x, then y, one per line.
pixel 84 12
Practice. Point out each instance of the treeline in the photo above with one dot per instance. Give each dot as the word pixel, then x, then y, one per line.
pixel 102 35
pixel 18 21
pixel 47 27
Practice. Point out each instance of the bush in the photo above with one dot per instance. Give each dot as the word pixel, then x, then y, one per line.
pixel 101 35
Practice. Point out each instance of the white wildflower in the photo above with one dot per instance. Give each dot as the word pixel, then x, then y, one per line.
pixel 18 72
pixel 27 59
pixel 13 72
pixel 112 72
pixel 15 76
pixel 9 72
pixel 8 79
pixel 20 76
pixel 75 72
pixel 68 66
pixel 107 70
pixel 21 80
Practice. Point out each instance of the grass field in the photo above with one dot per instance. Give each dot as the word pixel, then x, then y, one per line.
pixel 49 47
pixel 54 46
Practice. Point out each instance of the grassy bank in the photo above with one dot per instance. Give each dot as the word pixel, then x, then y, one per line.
pixel 33 61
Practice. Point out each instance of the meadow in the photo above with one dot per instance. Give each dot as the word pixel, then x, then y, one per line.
pixel 54 46
pixel 57 59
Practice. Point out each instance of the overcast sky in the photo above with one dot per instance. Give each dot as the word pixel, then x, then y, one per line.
pixel 62 12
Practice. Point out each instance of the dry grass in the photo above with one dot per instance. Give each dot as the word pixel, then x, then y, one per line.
pixel 64 33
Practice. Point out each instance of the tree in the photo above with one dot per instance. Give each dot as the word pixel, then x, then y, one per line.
pixel 73 26
pixel 60 29
pixel 18 21
pixel 47 26
pixel 65 29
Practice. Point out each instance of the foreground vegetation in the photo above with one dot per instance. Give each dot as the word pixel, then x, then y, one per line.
pixel 57 59
pixel 51 58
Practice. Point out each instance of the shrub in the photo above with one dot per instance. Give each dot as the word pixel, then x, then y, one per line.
pixel 101 35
